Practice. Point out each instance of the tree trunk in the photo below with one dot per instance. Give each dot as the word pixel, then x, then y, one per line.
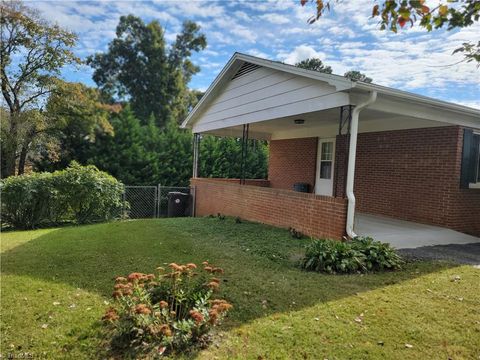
pixel 23 156
pixel 10 155
pixel 10 148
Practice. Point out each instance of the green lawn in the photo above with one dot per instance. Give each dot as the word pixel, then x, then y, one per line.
pixel 55 284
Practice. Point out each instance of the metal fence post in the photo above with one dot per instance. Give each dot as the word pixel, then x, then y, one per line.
pixel 123 215
pixel 159 201
pixel 193 190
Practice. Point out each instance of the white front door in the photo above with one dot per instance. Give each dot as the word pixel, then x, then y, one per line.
pixel 325 166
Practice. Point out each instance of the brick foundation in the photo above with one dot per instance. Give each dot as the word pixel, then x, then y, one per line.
pixel 317 216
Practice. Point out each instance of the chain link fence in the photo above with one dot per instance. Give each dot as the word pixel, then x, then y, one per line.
pixel 143 202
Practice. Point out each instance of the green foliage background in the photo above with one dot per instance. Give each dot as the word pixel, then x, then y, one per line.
pixel 139 154
pixel 143 90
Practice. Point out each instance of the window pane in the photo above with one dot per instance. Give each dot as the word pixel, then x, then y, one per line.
pixel 326 170
pixel 478 166
pixel 327 151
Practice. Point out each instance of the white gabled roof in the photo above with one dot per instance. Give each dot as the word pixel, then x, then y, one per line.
pixel 234 64
pixel 339 82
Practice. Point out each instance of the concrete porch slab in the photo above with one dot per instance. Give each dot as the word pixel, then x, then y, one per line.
pixel 406 234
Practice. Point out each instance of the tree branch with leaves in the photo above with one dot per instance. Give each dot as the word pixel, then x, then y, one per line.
pixel 448 14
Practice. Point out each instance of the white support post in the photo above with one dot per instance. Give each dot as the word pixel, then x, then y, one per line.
pixel 351 162
pixel 196 151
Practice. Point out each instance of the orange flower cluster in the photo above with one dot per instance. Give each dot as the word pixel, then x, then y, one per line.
pixel 163 329
pixel 219 307
pixel 163 304
pixel 213 285
pixel 182 268
pixel 122 289
pixel 211 269
pixel 110 315
pixel 139 277
pixel 196 316
pixel 142 309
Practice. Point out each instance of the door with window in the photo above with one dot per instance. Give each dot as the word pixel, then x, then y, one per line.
pixel 325 166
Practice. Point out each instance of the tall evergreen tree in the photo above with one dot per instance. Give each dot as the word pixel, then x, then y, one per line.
pixel 123 155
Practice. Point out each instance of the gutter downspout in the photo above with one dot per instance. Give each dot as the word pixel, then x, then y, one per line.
pixel 351 162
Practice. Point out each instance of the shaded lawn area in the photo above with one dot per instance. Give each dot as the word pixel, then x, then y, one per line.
pixel 56 282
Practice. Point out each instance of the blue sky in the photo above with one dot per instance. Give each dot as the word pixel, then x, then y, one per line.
pixel 346 39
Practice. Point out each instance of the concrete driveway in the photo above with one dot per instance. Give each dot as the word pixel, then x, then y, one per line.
pixel 407 235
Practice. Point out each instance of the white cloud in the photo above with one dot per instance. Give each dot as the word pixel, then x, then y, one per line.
pixel 257 53
pixel 470 103
pixel 345 38
pixel 241 15
pixel 300 53
pixel 204 9
pixel 277 19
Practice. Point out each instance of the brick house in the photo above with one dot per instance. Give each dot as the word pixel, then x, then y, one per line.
pixel 351 147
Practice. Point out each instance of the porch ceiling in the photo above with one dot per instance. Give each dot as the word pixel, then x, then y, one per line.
pixel 323 123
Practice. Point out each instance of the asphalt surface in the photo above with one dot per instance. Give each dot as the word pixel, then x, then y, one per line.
pixel 459 253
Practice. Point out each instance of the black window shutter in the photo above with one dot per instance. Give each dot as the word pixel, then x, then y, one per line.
pixel 469 157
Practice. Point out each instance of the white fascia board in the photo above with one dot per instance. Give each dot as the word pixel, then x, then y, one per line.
pixel 420 100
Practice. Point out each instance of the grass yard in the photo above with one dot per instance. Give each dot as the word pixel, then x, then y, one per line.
pixel 56 282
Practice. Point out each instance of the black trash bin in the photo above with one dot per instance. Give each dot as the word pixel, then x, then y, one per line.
pixel 177 204
pixel 301 187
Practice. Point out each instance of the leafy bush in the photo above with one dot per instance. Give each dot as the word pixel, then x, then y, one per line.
pixel 165 313
pixel 358 255
pixel 29 200
pixel 378 255
pixel 332 256
pixel 91 195
pixel 78 193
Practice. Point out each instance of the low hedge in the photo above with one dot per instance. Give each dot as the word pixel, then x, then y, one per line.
pixel 359 255
pixel 81 194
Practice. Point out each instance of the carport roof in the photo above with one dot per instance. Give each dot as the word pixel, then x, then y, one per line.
pixel 393 98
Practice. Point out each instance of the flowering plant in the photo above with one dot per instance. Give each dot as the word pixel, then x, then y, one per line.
pixel 164 313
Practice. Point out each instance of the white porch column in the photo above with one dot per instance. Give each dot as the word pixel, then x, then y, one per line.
pixel 196 154
pixel 351 162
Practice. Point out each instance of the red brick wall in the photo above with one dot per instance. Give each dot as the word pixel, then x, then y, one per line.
pixel 292 161
pixel 412 175
pixel 318 216
pixel 253 182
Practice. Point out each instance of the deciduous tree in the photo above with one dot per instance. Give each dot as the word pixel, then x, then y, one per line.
pixel 314 64
pixel 139 67
pixel 317 65
pixel 32 52
pixel 355 75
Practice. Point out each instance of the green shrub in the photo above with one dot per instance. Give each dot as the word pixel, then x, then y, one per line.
pixel 165 313
pixel 332 256
pixel 78 193
pixel 91 195
pixel 378 255
pixel 29 200
pixel 358 255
